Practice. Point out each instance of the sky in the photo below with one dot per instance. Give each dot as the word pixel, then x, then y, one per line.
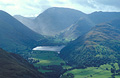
pixel 31 8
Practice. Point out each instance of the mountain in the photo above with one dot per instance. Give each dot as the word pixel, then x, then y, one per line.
pixel 66 23
pixel 77 29
pixel 54 20
pixel 27 21
pixel 15 36
pixel 99 46
pixel 14 66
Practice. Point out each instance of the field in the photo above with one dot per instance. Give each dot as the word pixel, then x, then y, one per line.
pixel 47 58
pixel 104 71
pixel 49 61
pixel 43 59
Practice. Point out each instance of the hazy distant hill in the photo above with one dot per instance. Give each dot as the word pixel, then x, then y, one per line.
pixel 14 35
pixel 28 21
pixel 14 66
pixel 99 46
pixel 54 20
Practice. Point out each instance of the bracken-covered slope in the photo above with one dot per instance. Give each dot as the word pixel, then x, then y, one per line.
pixel 14 35
pixel 99 46
pixel 14 66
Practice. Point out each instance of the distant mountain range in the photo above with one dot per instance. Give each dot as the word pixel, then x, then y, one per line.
pixel 54 20
pixel 97 47
pixel 66 23
pixel 14 35
pixel 14 66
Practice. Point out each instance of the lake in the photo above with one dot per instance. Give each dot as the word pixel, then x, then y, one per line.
pixel 49 48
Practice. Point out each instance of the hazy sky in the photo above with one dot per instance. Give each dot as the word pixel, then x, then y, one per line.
pixel 35 7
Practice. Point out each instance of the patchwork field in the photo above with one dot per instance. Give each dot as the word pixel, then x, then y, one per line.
pixel 45 60
pixel 50 62
pixel 104 71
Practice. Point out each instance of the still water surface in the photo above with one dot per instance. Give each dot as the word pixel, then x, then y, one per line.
pixel 49 48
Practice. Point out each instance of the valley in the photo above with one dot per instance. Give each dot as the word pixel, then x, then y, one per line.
pixel 47 60
pixel 60 43
pixel 49 63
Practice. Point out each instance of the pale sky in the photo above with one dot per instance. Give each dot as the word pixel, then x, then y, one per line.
pixel 34 7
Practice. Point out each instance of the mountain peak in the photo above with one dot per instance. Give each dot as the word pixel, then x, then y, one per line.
pixel 53 20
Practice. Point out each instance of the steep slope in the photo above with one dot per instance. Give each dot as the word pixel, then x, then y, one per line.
pixel 53 20
pixel 99 46
pixel 27 21
pixel 77 29
pixel 14 66
pixel 14 35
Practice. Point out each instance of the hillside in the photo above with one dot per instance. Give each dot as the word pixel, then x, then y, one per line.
pixel 15 36
pixel 99 46
pixel 82 26
pixel 27 21
pixel 14 66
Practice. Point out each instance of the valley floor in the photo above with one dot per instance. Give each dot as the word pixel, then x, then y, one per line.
pixel 49 63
